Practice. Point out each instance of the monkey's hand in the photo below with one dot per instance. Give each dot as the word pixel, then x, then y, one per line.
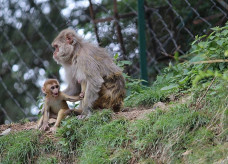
pixel 53 129
pixel 44 127
pixel 70 98
pixel 68 112
pixel 81 95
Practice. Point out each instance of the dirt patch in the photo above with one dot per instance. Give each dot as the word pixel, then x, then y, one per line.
pixel 128 113
pixel 133 114
pixel 138 113
pixel 18 126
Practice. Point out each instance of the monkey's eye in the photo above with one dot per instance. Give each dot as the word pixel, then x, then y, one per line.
pixel 57 86
pixel 52 87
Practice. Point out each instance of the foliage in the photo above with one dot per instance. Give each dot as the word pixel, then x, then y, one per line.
pixel 132 85
pixel 180 78
pixel 182 129
pixel 20 147
pixel 95 138
pixel 25 50
pixel 190 131
pixel 47 160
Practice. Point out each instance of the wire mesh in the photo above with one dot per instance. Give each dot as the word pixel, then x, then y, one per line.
pixel 28 28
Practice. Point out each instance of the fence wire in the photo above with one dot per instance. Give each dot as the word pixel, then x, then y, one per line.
pixel 28 28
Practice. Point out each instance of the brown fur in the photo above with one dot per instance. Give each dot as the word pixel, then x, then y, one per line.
pixel 110 95
pixel 55 105
pixel 86 63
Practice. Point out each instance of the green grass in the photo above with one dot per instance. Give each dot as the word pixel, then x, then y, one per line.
pixel 181 133
pixel 19 147
pixel 164 136
pixel 170 132
pixel 184 132
pixel 47 160
pixel 95 139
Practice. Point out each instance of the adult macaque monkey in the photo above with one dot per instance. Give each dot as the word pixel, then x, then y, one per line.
pixel 55 105
pixel 92 68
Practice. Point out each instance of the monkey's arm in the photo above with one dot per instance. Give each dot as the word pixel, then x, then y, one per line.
pixel 45 117
pixel 70 98
pixel 88 66
pixel 40 122
pixel 83 86
pixel 73 89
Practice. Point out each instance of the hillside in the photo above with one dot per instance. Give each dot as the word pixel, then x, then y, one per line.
pixel 181 118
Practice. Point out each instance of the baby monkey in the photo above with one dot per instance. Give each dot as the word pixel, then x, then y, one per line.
pixel 55 105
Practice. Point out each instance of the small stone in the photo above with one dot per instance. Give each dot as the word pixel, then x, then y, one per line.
pixel 5 132
pixel 159 105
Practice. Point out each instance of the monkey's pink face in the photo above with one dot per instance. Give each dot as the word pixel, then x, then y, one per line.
pixel 56 50
pixel 63 52
pixel 54 88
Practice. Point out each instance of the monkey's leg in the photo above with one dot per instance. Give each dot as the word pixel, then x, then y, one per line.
pixel 83 89
pixel 75 112
pixel 86 109
pixel 40 122
pixel 52 115
pixel 61 115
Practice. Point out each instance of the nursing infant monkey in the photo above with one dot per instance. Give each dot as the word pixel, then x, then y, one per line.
pixel 90 66
pixel 55 105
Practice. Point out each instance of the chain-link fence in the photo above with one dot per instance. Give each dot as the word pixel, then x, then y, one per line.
pixel 27 28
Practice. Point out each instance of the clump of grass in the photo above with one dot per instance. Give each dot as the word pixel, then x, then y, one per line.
pixel 20 147
pixel 95 139
pixel 166 135
pixel 208 154
pixel 165 131
pixel 47 160
pixel 76 131
pixel 121 156
pixel 186 127
pixel 173 81
pixel 145 98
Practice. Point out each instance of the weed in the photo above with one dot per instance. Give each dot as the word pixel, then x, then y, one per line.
pixel 47 160
pixel 121 156
pixel 20 147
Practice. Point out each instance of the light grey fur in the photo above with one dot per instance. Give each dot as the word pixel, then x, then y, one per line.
pixel 83 61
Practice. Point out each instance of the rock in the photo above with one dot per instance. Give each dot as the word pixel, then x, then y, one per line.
pixel 5 132
pixel 51 121
pixel 160 105
pixel 187 152
pixel 172 97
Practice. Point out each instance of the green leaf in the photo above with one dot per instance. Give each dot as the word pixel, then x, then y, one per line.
pixel 220 42
pixel 212 48
pixel 216 28
pixel 68 133
pixel 172 86
pixel 184 80
pixel 126 62
pixel 221 66
pixel 116 56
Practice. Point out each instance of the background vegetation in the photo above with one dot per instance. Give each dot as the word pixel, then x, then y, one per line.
pixel 28 27
pixel 191 128
pixel 187 75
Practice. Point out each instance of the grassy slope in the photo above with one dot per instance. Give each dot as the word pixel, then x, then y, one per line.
pixel 191 132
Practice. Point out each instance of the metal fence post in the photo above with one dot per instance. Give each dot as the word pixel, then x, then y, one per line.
pixel 142 41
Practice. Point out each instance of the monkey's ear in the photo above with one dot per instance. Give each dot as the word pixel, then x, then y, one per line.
pixel 70 38
pixel 43 90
